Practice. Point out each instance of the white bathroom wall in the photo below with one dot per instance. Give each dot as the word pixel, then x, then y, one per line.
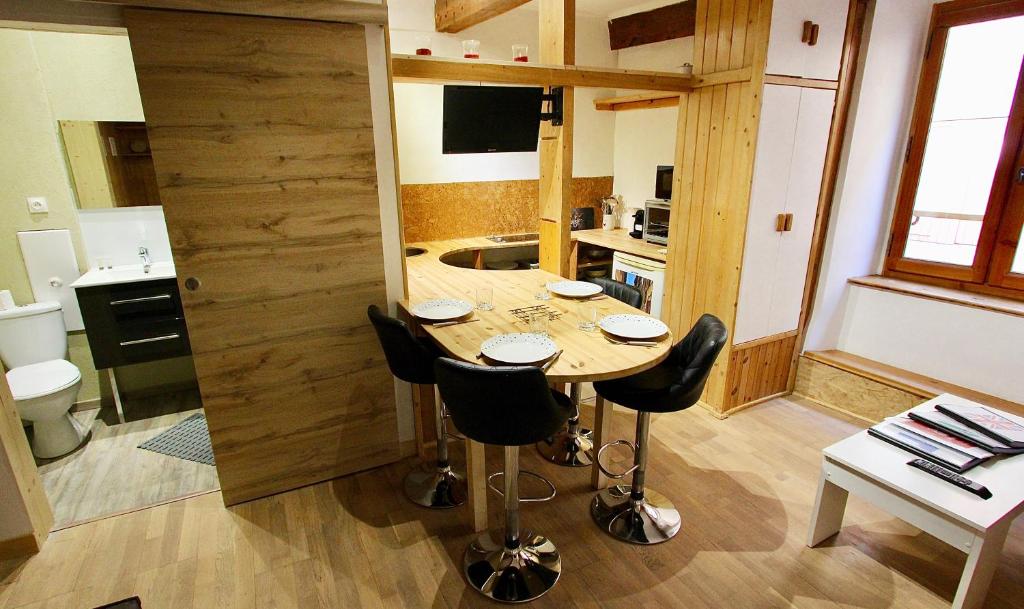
pixel 418 107
pixel 116 234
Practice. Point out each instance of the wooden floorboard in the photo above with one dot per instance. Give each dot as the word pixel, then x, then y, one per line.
pixel 745 487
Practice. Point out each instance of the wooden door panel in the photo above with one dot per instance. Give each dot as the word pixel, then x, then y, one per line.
pixel 262 137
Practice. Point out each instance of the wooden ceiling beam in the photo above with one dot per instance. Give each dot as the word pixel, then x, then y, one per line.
pixel 453 16
pixel 658 25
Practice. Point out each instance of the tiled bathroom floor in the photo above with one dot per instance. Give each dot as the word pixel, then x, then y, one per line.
pixel 109 474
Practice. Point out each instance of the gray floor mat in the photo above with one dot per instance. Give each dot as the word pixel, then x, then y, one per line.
pixel 189 440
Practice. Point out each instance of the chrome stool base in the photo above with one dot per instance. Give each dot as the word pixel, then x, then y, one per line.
pixel 568 448
pixel 436 488
pixel 512 576
pixel 652 520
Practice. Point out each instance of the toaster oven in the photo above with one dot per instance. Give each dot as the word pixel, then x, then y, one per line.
pixel 656 217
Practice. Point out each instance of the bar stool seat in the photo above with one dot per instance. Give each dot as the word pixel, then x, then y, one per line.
pixel 634 513
pixel 508 407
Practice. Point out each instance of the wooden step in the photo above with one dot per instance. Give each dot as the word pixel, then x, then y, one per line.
pixel 911 383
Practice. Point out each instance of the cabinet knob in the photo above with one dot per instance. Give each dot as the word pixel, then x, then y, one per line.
pixel 192 284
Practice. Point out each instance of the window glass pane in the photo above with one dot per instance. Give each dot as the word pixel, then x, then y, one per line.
pixel 975 91
pixel 1018 259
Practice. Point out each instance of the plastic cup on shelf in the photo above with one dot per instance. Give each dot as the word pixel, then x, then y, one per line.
pixel 471 49
pixel 520 52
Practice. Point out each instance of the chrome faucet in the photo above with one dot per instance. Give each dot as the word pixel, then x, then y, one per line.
pixel 146 262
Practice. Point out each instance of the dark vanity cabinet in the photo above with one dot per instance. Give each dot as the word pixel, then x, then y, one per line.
pixel 131 323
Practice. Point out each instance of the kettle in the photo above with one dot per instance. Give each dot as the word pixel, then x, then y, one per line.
pixel 638 225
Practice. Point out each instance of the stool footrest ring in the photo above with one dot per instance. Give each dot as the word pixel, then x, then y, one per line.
pixel 611 474
pixel 524 472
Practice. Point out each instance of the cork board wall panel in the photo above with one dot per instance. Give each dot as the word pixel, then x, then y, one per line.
pixel 432 212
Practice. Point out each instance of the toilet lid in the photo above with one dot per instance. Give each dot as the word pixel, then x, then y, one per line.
pixel 44 378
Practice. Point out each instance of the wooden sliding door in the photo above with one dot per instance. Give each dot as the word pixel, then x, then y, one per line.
pixel 262 138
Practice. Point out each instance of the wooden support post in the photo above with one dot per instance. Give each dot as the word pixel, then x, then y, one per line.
pixel 557 47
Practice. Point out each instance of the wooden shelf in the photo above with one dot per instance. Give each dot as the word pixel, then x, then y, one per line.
pixel 593 263
pixel 638 102
pixel 418 68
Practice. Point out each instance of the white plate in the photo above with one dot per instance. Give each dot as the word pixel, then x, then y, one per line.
pixel 636 327
pixel 519 348
pixel 574 289
pixel 442 309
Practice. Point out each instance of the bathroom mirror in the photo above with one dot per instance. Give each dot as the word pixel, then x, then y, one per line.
pixel 110 163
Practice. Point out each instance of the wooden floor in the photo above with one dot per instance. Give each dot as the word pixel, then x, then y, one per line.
pixel 109 474
pixel 745 486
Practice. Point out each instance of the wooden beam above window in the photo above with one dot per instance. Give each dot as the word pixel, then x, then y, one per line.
pixel 453 16
pixel 665 23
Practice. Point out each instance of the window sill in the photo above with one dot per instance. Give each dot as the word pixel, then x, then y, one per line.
pixel 931 292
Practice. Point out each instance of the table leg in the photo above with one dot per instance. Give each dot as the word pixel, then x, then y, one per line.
pixel 829 507
pixel 602 429
pixel 982 561
pixel 476 481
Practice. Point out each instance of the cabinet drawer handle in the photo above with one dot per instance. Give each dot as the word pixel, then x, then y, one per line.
pixel 114 303
pixel 154 339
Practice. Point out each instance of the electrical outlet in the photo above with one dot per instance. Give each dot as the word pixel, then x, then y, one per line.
pixel 37 205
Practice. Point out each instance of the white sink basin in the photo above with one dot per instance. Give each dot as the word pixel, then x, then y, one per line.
pixel 125 274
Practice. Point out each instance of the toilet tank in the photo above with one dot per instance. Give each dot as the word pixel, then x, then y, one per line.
pixel 31 334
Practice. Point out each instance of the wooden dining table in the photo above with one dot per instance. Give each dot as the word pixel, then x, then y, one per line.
pixel 586 355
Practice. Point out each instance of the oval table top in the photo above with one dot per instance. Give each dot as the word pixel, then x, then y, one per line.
pixel 586 356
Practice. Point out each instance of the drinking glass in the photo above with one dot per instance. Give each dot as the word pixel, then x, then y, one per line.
pixel 539 322
pixel 423 45
pixel 485 298
pixel 520 52
pixel 543 293
pixel 471 49
pixel 587 314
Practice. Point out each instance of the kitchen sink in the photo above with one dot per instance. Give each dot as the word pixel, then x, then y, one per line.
pixel 515 238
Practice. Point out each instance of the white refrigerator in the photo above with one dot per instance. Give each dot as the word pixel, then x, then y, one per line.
pixel 646 274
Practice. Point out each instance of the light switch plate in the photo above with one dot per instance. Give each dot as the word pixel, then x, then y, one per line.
pixel 37 205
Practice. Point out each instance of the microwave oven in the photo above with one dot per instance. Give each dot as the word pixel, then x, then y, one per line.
pixel 656 218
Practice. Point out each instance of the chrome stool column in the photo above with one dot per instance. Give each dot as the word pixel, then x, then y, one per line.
pixel 573 445
pixel 437 487
pixel 633 513
pixel 636 514
pixel 412 360
pixel 524 566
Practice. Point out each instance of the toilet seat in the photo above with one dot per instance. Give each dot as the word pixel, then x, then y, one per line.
pixel 43 378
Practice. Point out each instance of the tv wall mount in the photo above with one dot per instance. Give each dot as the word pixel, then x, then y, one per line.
pixel 554 96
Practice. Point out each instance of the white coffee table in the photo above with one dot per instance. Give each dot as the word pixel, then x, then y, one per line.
pixel 877 471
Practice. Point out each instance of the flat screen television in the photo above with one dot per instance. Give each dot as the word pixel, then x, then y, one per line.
pixel 490 119
pixel 663 186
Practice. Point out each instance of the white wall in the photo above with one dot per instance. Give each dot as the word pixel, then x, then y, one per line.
pixel 418 107
pixel 645 139
pixel 895 34
pixel 966 346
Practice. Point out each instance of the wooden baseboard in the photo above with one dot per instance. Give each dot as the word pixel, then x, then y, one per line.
pixel 19 546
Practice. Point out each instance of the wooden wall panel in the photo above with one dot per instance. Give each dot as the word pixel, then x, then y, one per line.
pixel 434 212
pixel 717 131
pixel 850 393
pixel 262 137
pixel 758 370
pixel 27 497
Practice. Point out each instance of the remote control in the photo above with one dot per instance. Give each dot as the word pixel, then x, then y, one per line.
pixel 951 477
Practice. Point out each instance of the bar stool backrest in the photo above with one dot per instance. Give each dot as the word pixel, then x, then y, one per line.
pixel 503 406
pixel 694 356
pixel 621 291
pixel 408 358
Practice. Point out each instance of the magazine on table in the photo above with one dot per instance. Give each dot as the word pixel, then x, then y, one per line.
pixel 934 418
pixel 923 446
pixel 993 423
pixel 937 435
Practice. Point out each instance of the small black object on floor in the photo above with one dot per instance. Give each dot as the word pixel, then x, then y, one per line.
pixel 128 603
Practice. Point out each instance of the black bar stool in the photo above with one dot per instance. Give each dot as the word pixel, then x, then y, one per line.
pixel 573 446
pixel 633 513
pixel 412 360
pixel 509 407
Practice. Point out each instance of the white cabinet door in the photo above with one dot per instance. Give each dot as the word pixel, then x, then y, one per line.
pixel 789 56
pixel 804 187
pixel 772 167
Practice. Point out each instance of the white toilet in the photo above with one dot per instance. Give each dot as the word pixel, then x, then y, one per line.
pixel 33 343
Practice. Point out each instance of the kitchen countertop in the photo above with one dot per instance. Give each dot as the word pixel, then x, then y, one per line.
pixel 619 240
pixel 125 274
